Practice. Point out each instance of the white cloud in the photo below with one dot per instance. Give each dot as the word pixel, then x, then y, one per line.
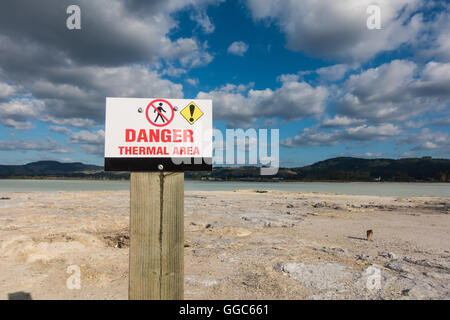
pixel 434 80
pixel 390 92
pixel 288 78
pixel 190 53
pixel 428 145
pixel 435 44
pixel 241 105
pixel 334 73
pixel 361 155
pixel 18 125
pixel 337 29
pixel 238 48
pixel 6 90
pixel 366 132
pixel 442 121
pixel 80 99
pixel 87 137
pixel 72 122
pixel 16 113
pixel 427 139
pixel 172 71
pixel 395 91
pixel 193 82
pixel 61 130
pixel 373 155
pixel 31 144
pixel 340 121
pixel 20 108
pixel 203 21
pixel 385 103
pixel 91 142
pixel 115 54
pixel 314 137
pixel 115 32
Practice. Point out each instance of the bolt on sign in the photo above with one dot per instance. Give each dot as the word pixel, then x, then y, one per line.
pixel 158 134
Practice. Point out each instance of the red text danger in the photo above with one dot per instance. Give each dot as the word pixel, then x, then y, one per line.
pixel 157 135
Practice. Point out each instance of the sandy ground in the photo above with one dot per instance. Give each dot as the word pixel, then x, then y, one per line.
pixel 239 245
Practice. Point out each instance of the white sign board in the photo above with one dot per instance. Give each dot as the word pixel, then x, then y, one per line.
pixel 158 134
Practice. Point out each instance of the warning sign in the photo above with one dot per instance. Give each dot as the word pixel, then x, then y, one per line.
pixel 152 135
pixel 191 113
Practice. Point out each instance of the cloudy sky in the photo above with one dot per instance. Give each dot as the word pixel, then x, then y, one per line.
pixel 311 68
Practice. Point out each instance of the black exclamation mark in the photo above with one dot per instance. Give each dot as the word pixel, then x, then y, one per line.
pixel 192 109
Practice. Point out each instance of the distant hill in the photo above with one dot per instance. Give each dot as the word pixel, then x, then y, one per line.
pixel 337 169
pixel 355 169
pixel 56 169
pixel 346 169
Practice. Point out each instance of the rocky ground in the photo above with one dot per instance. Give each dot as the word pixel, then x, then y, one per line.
pixel 239 245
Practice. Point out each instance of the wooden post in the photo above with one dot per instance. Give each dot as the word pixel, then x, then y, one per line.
pixel 156 236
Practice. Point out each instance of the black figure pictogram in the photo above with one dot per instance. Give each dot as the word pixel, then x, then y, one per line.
pixel 159 109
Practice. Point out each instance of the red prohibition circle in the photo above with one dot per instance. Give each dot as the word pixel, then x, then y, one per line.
pixel 150 105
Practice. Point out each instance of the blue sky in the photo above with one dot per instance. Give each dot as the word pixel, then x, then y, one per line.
pixel 312 69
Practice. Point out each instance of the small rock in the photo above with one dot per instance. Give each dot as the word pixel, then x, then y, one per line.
pixel 388 255
pixel 289 206
pixel 320 205
pixel 405 292
pixel 362 256
pixel 398 266
pixel 208 226
pixel 391 255
pixel 422 291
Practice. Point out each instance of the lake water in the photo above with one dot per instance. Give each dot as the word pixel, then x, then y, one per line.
pixel 356 188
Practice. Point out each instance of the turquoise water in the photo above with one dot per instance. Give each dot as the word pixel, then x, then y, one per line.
pixel 356 188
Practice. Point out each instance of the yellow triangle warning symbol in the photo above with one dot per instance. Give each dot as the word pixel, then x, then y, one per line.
pixel 191 113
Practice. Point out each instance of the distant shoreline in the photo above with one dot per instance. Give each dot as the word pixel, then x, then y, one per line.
pixel 400 189
pixel 344 169
pixel 226 180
